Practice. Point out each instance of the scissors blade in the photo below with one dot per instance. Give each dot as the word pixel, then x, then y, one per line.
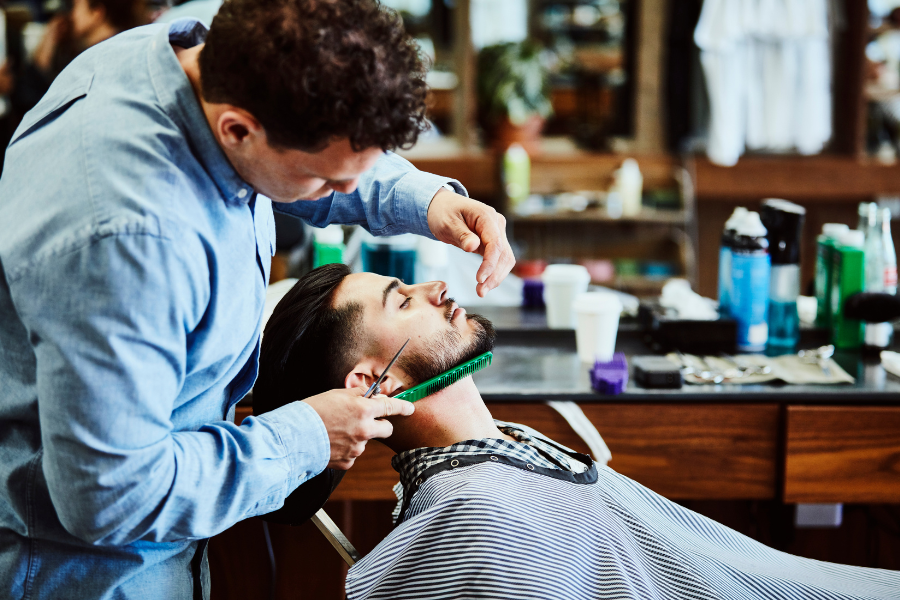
pixel 384 373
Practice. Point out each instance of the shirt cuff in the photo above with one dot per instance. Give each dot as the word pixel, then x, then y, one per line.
pixel 304 439
pixel 418 188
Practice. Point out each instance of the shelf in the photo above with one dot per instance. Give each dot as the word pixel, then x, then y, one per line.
pixel 599 215
pixel 823 178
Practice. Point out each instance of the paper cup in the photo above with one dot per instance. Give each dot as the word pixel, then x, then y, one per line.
pixel 562 283
pixel 597 323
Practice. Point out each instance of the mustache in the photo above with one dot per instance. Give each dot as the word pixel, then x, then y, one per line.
pixel 448 308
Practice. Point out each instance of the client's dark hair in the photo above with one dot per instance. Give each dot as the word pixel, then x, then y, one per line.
pixel 309 344
pixel 314 70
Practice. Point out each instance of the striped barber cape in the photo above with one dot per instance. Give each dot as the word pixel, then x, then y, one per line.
pixel 495 523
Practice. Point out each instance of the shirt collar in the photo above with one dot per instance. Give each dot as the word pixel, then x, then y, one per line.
pixel 178 100
pixel 529 447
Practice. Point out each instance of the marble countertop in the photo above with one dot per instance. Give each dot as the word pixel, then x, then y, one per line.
pixel 533 363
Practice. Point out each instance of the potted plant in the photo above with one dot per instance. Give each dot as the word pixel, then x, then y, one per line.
pixel 513 94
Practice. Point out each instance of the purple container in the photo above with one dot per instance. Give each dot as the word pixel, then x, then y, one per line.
pixel 610 378
pixel 532 293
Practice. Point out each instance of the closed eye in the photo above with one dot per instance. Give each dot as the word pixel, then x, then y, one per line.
pixel 405 302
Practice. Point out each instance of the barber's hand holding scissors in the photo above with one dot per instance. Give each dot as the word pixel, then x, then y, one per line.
pixel 352 420
pixel 474 227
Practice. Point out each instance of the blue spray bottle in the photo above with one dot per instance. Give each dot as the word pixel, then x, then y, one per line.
pixel 750 270
pixel 725 260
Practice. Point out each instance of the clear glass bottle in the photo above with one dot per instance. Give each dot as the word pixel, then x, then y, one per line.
pixel 889 253
pixel 874 251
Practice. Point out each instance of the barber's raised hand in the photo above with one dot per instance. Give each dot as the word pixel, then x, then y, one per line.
pixel 474 227
pixel 352 420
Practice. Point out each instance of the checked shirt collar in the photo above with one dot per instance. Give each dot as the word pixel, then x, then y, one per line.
pixel 529 446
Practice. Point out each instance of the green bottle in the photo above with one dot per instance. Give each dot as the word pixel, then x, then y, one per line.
pixel 848 276
pixel 328 246
pixel 825 245
pixel 516 175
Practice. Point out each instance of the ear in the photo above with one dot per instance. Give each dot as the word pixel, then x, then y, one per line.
pixel 368 370
pixel 97 15
pixel 237 128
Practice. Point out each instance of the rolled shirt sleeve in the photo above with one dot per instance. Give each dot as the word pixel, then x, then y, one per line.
pixel 392 198
pixel 114 366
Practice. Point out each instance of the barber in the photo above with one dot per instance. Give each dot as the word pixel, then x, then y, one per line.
pixel 136 234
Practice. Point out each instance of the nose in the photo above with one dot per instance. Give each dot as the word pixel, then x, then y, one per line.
pixel 344 187
pixel 436 292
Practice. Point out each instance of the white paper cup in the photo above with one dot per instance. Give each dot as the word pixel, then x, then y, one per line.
pixel 561 284
pixel 597 318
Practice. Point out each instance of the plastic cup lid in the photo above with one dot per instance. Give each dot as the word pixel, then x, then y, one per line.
pixel 597 303
pixel 565 274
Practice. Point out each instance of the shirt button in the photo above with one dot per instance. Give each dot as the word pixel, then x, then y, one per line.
pixel 242 193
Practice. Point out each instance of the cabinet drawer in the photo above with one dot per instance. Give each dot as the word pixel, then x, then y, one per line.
pixel 693 451
pixel 687 451
pixel 842 454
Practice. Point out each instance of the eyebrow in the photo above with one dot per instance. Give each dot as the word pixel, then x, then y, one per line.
pixel 387 291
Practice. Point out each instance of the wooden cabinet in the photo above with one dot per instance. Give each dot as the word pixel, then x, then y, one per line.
pixel 842 454
pixel 694 451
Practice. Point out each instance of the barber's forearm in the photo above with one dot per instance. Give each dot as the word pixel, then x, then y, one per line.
pixel 193 484
pixel 392 198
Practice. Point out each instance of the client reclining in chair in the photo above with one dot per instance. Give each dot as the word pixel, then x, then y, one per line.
pixel 496 510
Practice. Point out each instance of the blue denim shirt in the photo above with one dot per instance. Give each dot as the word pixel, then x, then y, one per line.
pixel 133 268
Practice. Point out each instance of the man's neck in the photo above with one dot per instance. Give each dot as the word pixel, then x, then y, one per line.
pixel 102 32
pixel 452 415
pixel 189 58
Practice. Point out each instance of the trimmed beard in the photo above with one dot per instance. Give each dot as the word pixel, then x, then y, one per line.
pixel 446 350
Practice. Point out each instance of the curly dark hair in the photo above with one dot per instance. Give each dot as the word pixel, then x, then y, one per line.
pixel 312 71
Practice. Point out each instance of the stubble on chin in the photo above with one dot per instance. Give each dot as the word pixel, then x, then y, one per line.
pixel 446 350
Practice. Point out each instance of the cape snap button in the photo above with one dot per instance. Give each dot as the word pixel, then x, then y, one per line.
pixel 454 463
pixel 419 481
pixel 494 458
pixel 530 467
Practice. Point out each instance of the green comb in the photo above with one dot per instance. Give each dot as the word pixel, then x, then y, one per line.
pixel 446 379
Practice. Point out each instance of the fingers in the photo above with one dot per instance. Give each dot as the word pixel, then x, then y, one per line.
pixel 391 406
pixel 498 259
pixel 490 240
pixel 382 429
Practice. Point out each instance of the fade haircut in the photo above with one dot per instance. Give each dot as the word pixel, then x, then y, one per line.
pixel 316 70
pixel 309 344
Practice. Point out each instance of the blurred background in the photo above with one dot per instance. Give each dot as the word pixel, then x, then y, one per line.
pixel 535 106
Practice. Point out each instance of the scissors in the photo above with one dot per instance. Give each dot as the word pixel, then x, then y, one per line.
pixel 321 518
pixel 375 388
